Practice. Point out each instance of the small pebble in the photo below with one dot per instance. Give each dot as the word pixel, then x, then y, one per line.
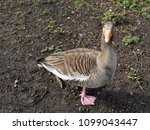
pixel 80 34
pixel 16 83
pixel 68 18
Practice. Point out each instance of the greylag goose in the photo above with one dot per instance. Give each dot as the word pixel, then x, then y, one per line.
pixel 85 67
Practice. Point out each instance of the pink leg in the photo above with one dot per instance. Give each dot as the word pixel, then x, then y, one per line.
pixel 85 99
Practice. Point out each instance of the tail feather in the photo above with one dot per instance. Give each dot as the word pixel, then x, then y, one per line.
pixel 40 62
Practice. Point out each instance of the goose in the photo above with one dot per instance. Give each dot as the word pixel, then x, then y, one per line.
pixel 84 67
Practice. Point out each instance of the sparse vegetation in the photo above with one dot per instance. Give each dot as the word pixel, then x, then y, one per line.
pixel 83 109
pixel 108 15
pixel 147 1
pixel 52 27
pixel 116 18
pixel 128 4
pixel 51 49
pixel 79 4
pixel 119 18
pixel 21 14
pixel 146 15
pixel 146 12
pixel 134 76
pixel 146 8
pixel 37 2
pixel 37 95
pixel 72 94
pixel 130 40
pixel 131 28
pixel 58 30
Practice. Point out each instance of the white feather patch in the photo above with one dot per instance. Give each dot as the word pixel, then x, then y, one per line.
pixel 76 75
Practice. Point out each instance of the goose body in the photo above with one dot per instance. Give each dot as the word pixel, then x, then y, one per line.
pixel 85 67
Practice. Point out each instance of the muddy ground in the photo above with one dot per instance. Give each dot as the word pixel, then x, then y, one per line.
pixel 33 29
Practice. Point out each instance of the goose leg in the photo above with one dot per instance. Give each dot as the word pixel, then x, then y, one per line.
pixel 85 99
pixel 60 82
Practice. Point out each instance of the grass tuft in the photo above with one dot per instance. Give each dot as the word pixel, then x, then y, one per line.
pixel 134 76
pixel 79 4
pixel 51 49
pixel 130 40
pixel 128 4
pixel 111 16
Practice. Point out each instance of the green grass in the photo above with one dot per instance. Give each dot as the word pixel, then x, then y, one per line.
pixel 146 15
pixel 51 49
pixel 146 12
pixel 134 76
pixel 58 30
pixel 130 40
pixel 51 24
pixel 83 109
pixel 37 2
pixel 108 15
pixel 132 4
pixel 21 14
pixel 79 4
pixel 128 4
pixel 53 27
pixel 146 8
pixel 116 18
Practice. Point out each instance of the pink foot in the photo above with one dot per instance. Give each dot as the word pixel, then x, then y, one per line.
pixel 87 100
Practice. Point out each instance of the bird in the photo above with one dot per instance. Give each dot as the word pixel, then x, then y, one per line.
pixel 87 68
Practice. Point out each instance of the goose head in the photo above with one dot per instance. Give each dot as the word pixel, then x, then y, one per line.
pixel 108 32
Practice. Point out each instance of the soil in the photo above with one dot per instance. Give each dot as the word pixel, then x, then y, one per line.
pixel 27 27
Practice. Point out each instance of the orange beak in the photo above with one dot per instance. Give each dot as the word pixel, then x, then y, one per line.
pixel 108 36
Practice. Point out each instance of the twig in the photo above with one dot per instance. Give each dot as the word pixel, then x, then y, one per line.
pixel 140 85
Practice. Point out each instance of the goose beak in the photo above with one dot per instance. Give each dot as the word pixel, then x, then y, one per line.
pixel 108 35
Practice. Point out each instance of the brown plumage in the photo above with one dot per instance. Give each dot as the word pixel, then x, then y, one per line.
pixel 85 67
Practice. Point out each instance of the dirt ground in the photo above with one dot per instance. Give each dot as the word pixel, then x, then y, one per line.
pixel 32 29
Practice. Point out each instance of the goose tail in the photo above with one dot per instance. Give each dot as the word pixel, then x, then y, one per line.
pixel 40 62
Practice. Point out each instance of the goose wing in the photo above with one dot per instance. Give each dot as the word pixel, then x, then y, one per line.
pixel 76 64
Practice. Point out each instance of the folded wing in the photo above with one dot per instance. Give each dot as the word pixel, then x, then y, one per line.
pixel 76 64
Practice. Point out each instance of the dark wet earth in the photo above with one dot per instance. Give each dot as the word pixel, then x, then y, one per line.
pixel 33 29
